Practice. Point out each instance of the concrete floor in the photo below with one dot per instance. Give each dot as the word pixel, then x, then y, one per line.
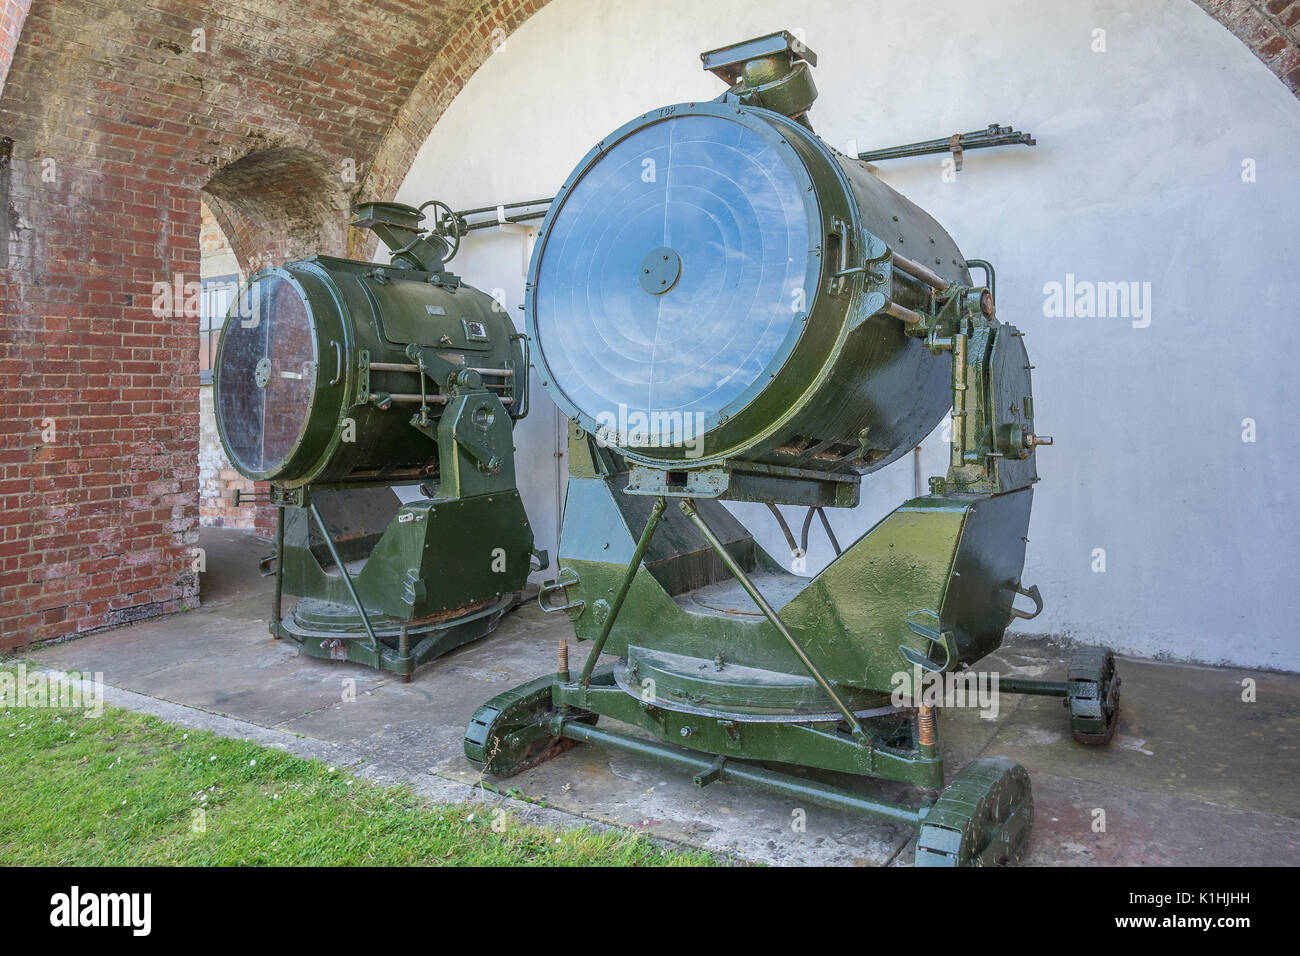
pixel 1194 776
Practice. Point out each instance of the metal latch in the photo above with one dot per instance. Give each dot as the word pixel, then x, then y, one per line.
pixel 566 579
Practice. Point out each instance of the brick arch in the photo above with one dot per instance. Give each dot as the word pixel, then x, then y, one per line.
pixel 114 116
pixel 1269 28
pixel 281 203
pixel 459 59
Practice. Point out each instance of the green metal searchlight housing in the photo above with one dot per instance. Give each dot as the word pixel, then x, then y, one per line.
pixel 337 379
pixel 734 322
pixel 727 308
pixel 321 359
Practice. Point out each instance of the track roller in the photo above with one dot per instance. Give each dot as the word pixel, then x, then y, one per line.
pixel 982 818
pixel 1094 695
pixel 511 732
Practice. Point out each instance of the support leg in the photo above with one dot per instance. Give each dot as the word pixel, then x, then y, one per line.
pixel 632 567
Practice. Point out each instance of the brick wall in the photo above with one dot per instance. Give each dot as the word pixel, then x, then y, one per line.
pixel 216 258
pixel 217 479
pixel 465 51
pixel 120 118
pixel 115 117
pixel 1270 28
pixel 12 15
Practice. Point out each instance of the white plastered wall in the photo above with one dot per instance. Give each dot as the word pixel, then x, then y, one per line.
pixel 1137 177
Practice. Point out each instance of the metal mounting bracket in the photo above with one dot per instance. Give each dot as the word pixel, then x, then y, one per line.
pixel 1034 596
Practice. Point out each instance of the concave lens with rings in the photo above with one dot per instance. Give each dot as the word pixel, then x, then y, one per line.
pixel 671 275
pixel 267 375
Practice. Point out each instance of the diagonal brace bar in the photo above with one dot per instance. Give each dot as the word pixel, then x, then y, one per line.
pixel 277 607
pixel 347 578
pixel 656 513
pixel 688 508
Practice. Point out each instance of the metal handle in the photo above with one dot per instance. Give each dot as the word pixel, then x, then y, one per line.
pixel 525 378
pixel 840 230
pixel 338 362
pixel 990 279
pixel 559 584
pixel 1034 596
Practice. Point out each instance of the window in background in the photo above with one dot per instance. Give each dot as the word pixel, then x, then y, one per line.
pixel 217 294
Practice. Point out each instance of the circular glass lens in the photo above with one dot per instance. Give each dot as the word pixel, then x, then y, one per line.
pixel 266 375
pixel 671 276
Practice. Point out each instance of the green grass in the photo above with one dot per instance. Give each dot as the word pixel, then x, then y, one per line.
pixel 123 789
